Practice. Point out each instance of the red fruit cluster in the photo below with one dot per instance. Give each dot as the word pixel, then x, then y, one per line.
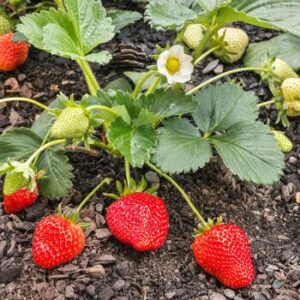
pixel 19 200
pixel 224 252
pixel 12 54
pixel 139 220
pixel 56 241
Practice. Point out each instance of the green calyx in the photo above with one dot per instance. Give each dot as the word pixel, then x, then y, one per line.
pixel 278 71
pixel 201 229
pixel 72 123
pixel 133 187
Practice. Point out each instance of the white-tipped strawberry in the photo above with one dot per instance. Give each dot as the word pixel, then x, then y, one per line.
pixel 283 141
pixel 282 70
pixel 232 44
pixel 291 94
pixel 193 35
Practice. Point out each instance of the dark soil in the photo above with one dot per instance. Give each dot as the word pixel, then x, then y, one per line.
pixel 269 215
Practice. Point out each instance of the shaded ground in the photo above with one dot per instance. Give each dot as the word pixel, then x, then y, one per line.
pixel 270 215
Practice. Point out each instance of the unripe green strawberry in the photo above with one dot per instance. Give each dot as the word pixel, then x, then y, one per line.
pixel 72 123
pixel 13 182
pixel 233 43
pixel 193 35
pixel 5 25
pixel 16 2
pixel 291 94
pixel 282 70
pixel 283 141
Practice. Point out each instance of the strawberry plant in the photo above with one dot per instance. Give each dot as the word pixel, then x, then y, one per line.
pixel 157 124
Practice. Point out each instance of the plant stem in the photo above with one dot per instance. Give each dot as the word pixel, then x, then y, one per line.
pixel 90 78
pixel 59 4
pixel 154 85
pixel 181 191
pixel 263 104
pixel 42 148
pixel 20 99
pixel 104 108
pixel 91 194
pixel 141 82
pixel 99 145
pixel 204 42
pixel 43 143
pixel 207 82
pixel 205 54
pixel 127 171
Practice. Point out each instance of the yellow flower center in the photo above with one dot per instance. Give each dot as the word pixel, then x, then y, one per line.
pixel 173 65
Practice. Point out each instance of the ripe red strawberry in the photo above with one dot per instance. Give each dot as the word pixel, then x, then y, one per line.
pixel 12 54
pixel 56 241
pixel 17 196
pixel 139 220
pixel 224 252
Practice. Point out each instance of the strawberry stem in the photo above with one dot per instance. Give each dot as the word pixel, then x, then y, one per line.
pixel 205 54
pixel 141 82
pixel 89 76
pixel 207 82
pixel 41 149
pixel 104 108
pixel 59 4
pixel 43 143
pixel 263 104
pixel 91 194
pixel 154 85
pixel 181 191
pixel 127 171
pixel 209 33
pixel 20 99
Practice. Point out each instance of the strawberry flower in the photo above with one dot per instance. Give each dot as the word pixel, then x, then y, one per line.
pixel 175 65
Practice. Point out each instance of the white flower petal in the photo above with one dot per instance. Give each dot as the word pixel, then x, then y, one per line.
pixel 176 51
pixel 178 77
pixel 187 69
pixel 170 79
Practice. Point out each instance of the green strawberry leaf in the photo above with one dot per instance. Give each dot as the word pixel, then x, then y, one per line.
pixel 71 34
pixel 181 147
pixel 101 58
pixel 251 152
pixel 222 106
pixel 283 14
pixel 227 15
pixel 135 143
pixel 209 5
pixel 122 18
pixel 18 144
pixel 289 51
pixel 226 119
pixel 119 84
pixel 94 28
pixel 167 103
pixel 168 14
pixel 32 25
pixel 57 41
pixel 58 176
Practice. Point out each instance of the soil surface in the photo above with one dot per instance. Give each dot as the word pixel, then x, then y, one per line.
pixel 107 269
